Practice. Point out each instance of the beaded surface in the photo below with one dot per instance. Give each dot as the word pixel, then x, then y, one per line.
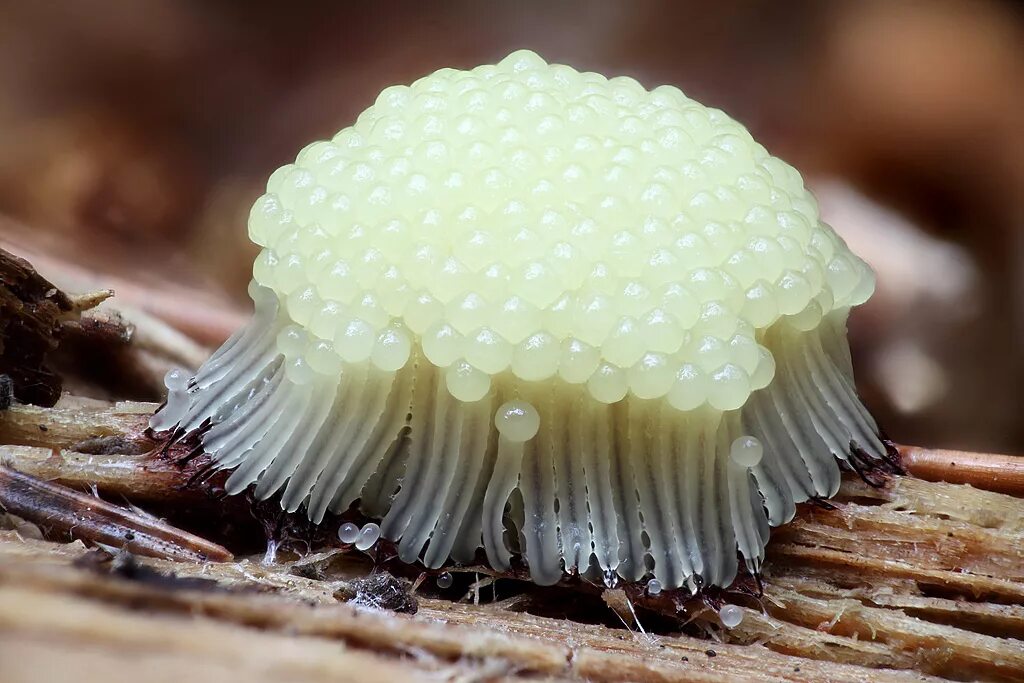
pixel 548 315
pixel 526 217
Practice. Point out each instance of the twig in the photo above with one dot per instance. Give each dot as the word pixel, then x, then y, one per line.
pixel 994 472
pixel 91 519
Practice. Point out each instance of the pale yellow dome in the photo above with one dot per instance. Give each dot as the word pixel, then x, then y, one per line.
pixel 547 314
pixel 529 218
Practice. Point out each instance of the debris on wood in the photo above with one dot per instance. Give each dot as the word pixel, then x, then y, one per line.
pixel 31 313
pixel 52 342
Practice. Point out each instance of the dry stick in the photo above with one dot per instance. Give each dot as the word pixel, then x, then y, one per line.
pixel 92 519
pixel 1002 473
pixel 138 478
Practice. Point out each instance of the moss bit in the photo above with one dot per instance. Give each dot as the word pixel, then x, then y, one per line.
pixel 544 313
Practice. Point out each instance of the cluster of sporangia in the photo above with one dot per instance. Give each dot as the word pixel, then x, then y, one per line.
pixel 547 314
pixel 400 230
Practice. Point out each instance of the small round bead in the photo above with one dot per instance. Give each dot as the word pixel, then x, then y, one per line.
pixel 290 273
pixel 303 303
pixel 626 344
pixel 263 268
pixel 760 307
pixel 487 351
pixel 746 451
pixel 338 283
pixel 578 361
pixel 176 380
pixel 468 312
pixel 842 276
pixel 368 536
pixel 765 370
pixel 864 288
pixel 442 345
pixel 291 341
pixel 517 319
pixel 716 319
pixel 594 317
pixel 367 308
pixel 322 358
pixel 745 351
pixel 793 292
pixel 422 312
pixel 652 376
pixel 327 320
pixel 680 303
pixel 517 420
pixel 661 331
pixel 354 341
pixel 466 383
pixel 728 388
pixel 608 384
pixel 348 532
pixel 709 352
pixel 298 371
pixel 264 219
pixel 391 350
pixel 731 616
pixel 536 358
pixel 689 390
pixel 807 319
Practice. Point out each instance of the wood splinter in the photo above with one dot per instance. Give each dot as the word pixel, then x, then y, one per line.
pixel 990 471
pixel 91 519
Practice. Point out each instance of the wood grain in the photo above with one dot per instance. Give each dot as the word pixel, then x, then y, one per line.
pixel 916 580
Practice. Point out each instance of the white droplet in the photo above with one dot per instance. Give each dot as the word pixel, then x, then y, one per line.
pixel 517 420
pixel 731 616
pixel 348 532
pixel 746 451
pixel 445 580
pixel 176 380
pixel 653 587
pixel 177 405
pixel 369 535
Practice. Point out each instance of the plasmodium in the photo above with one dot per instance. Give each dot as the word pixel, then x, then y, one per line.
pixel 543 313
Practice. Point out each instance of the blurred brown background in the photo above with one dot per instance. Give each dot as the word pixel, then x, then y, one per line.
pixel 134 135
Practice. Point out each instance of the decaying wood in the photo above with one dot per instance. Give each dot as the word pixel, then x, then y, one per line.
pixel 508 644
pixel 912 579
pixel 51 341
pixel 31 310
pixel 148 295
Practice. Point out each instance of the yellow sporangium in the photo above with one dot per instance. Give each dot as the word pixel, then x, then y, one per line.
pixel 548 314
